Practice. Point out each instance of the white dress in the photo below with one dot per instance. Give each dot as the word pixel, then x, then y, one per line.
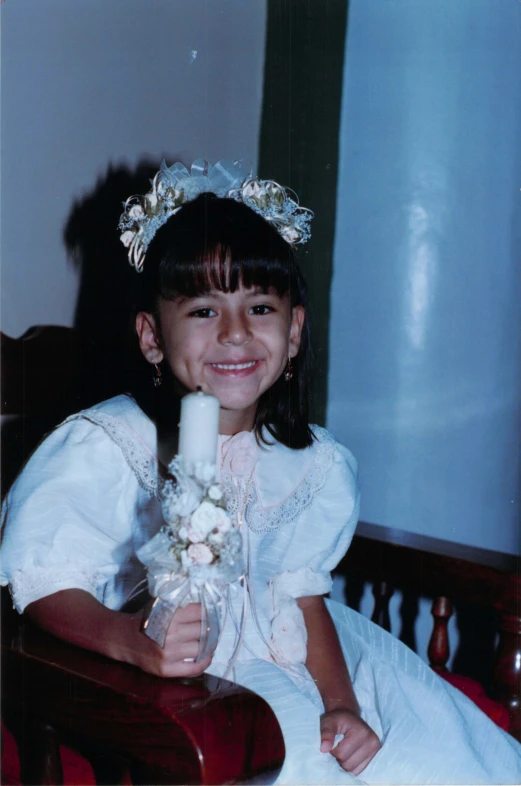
pixel 88 499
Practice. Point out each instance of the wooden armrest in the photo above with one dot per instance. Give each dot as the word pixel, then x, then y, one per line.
pixel 200 730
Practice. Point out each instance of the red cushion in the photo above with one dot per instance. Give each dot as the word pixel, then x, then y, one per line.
pixel 76 770
pixel 475 691
pixel 10 761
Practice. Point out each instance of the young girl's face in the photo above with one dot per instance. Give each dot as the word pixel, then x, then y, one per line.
pixel 235 345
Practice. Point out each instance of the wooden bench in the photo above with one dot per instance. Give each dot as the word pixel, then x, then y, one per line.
pixel 482 584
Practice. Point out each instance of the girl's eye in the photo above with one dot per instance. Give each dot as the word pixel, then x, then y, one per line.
pixel 261 309
pixel 202 313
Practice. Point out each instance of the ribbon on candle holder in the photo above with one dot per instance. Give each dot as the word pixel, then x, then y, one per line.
pixel 174 592
pixel 195 555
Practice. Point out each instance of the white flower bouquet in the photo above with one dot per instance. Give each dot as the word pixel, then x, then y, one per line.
pixel 196 553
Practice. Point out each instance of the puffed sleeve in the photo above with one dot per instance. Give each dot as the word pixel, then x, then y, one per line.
pixel 319 539
pixel 324 529
pixel 67 521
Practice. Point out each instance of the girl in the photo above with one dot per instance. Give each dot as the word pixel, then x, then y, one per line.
pixel 223 305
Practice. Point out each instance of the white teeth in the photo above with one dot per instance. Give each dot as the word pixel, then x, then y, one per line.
pixel 234 366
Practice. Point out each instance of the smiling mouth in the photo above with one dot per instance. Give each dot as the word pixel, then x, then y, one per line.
pixel 234 366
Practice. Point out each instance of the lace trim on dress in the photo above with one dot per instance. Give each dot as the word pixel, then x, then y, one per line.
pixel 143 463
pixel 239 493
pixel 37 582
pixel 260 519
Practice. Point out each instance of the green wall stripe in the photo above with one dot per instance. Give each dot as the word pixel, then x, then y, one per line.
pixel 299 141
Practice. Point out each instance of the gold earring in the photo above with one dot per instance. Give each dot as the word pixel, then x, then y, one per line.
pixel 288 372
pixel 158 378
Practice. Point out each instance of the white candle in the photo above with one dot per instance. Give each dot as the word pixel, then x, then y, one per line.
pixel 199 427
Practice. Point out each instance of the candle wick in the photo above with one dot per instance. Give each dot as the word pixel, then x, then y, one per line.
pixel 199 389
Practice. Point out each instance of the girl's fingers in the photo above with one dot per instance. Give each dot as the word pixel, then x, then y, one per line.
pixel 195 669
pixel 188 631
pixel 181 662
pixel 188 649
pixel 355 759
pixel 185 669
pixel 328 731
pixel 181 648
pixel 191 613
pixel 327 743
pixel 361 766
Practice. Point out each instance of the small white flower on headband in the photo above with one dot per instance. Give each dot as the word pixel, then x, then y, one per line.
pixel 173 186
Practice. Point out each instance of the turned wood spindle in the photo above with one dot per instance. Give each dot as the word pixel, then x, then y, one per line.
pixel 39 749
pixel 506 685
pixel 383 592
pixel 439 650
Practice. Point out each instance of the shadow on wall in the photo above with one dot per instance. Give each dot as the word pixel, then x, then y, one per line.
pixel 52 372
pixel 109 358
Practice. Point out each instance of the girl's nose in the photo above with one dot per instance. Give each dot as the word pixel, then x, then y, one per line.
pixel 235 330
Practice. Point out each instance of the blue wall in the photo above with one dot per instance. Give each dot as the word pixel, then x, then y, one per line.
pixel 425 352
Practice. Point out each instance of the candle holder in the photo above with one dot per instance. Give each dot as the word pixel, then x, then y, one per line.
pixel 195 555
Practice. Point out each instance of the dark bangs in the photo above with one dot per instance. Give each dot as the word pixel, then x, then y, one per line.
pixel 219 244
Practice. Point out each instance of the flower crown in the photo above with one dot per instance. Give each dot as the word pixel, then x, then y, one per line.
pixel 173 186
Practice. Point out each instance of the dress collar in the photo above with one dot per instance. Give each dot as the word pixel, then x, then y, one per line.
pixel 277 470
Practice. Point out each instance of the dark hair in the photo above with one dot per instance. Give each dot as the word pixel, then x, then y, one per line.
pixel 218 243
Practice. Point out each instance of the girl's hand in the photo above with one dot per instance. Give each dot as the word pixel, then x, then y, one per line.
pixel 359 745
pixel 76 616
pixel 175 659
